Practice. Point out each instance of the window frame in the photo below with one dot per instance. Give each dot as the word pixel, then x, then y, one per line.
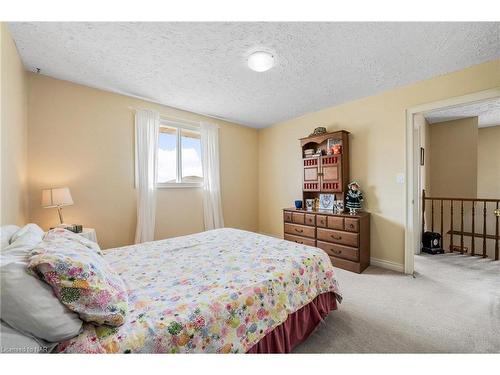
pixel 178 184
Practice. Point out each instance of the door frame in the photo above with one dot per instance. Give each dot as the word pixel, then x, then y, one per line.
pixel 413 219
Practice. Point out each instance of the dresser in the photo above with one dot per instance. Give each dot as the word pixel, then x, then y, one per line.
pixel 325 176
pixel 345 238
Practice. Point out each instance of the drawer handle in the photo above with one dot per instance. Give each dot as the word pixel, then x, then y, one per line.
pixel 351 225
pixel 299 230
pixel 300 242
pixel 337 251
pixel 336 238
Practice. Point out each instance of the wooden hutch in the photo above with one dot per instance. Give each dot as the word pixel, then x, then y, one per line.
pixel 344 237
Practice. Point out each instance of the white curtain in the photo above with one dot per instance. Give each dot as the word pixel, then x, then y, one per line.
pixel 147 125
pixel 212 207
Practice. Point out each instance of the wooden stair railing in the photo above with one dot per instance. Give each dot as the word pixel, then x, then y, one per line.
pixel 462 232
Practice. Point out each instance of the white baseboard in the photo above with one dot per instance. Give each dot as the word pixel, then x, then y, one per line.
pixel 393 266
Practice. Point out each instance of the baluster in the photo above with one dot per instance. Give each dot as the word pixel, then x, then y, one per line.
pixel 432 215
pixel 497 214
pixel 451 226
pixel 461 227
pixel 484 229
pixel 442 238
pixel 473 244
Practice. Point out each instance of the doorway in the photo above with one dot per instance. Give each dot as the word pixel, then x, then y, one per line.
pixel 414 206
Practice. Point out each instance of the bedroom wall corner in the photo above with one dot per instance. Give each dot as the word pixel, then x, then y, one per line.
pixel 14 132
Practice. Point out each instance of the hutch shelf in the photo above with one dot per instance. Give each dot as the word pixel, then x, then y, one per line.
pixel 345 238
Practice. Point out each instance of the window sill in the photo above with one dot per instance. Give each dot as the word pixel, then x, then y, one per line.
pixel 179 185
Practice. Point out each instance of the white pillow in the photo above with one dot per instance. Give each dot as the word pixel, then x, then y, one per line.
pixel 12 341
pixel 6 233
pixel 22 242
pixel 30 306
pixel 34 229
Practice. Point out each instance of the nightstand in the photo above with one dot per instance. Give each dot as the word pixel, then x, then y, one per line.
pixel 89 233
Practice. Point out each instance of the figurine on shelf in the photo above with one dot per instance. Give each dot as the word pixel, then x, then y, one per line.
pixel 337 149
pixel 318 131
pixel 316 204
pixel 353 198
pixel 338 207
pixel 309 204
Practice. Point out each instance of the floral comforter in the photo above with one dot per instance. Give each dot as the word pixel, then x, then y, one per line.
pixel 219 291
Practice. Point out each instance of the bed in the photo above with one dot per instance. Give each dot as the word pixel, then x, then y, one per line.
pixel 220 291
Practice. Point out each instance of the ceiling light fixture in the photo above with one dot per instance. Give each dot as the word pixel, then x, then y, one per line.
pixel 260 61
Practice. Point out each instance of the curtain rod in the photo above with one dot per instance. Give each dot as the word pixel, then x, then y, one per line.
pixel 169 118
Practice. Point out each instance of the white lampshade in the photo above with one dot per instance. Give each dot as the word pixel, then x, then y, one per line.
pixel 55 197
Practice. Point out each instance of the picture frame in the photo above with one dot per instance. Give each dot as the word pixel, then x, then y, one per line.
pixel 333 146
pixel 309 204
pixel 326 201
pixel 339 206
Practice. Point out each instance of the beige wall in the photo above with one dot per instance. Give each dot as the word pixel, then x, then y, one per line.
pixel 83 138
pixel 14 119
pixel 377 126
pixel 453 151
pixel 453 147
pixel 488 163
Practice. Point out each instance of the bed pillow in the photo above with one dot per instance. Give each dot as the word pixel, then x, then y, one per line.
pixel 21 244
pixel 31 229
pixel 30 306
pixel 81 279
pixel 12 341
pixel 60 234
pixel 6 233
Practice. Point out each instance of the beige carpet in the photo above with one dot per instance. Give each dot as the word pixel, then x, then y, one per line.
pixel 451 306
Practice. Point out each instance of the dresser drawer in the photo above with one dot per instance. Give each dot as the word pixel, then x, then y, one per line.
pixel 347 264
pixel 321 221
pixel 337 236
pixel 298 217
pixel 335 222
pixel 300 230
pixel 301 240
pixel 340 251
pixel 351 224
pixel 287 216
pixel 310 219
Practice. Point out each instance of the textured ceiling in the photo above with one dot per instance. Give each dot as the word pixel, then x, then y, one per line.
pixel 488 113
pixel 201 67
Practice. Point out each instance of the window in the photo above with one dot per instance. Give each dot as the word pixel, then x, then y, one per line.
pixel 179 156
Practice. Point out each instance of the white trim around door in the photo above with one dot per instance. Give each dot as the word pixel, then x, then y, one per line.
pixel 412 170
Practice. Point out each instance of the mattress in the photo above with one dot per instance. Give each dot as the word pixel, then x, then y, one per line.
pixel 219 291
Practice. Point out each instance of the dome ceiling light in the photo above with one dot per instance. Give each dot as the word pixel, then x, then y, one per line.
pixel 260 61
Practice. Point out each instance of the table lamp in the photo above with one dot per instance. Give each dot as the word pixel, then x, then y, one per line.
pixel 57 197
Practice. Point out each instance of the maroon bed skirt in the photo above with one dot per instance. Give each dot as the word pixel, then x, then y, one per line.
pixel 297 327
